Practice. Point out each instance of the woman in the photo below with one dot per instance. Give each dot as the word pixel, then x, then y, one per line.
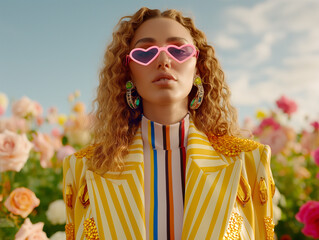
pixel 166 163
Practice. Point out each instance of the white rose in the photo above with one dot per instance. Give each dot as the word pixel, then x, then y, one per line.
pixel 276 210
pixel 79 136
pixel 58 236
pixel 56 212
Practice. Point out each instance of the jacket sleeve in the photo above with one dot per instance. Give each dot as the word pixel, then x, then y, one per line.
pixel 69 195
pixel 263 192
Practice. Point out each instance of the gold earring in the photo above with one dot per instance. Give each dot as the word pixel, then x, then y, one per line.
pixel 198 99
pixel 132 103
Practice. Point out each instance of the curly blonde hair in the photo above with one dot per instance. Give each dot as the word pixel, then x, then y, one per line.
pixel 116 124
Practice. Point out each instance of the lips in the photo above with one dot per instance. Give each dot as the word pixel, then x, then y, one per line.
pixel 164 76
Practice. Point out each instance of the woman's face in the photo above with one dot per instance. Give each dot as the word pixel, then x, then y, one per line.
pixel 164 81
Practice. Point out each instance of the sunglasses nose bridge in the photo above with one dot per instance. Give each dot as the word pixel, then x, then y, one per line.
pixel 163 52
pixel 163 60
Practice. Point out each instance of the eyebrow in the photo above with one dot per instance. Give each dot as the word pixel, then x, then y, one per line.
pixel 152 40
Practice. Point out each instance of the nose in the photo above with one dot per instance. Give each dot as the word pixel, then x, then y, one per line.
pixel 163 60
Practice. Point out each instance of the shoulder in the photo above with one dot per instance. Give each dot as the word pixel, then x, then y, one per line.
pixel 85 152
pixel 232 146
pixel 76 162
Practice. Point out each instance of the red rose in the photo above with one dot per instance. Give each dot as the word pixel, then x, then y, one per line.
pixel 315 155
pixel 309 215
pixel 287 105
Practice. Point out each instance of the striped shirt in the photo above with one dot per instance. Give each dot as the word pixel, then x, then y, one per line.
pixel 164 177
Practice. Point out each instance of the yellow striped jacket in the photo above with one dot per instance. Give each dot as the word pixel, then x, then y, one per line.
pixel 227 196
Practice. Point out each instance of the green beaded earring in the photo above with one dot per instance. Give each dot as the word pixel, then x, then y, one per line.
pixel 132 103
pixel 198 99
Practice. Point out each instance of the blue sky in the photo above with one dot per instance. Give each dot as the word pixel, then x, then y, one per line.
pixel 49 49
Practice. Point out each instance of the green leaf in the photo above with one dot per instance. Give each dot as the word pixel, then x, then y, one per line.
pixel 64 140
pixel 6 223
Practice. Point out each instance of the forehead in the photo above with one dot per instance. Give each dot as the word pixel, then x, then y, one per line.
pixel 160 29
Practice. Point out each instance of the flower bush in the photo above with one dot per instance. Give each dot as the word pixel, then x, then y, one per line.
pixel 295 169
pixel 32 148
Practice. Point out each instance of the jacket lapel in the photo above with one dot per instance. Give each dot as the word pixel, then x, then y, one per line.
pixel 211 187
pixel 117 200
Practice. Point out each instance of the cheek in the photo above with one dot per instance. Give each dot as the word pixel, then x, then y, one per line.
pixel 188 71
pixel 137 73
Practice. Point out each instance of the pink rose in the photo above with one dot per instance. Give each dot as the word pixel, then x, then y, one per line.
pixel 21 201
pixel 315 125
pixel 39 120
pixel 315 155
pixel 52 115
pixel 276 139
pixel 42 143
pixel 31 231
pixel 38 109
pixel 2 110
pixel 55 132
pixel 287 105
pixel 64 152
pixel 309 215
pixel 14 124
pixel 310 141
pixel 270 122
pixel 3 103
pixel 25 106
pixel 14 151
pixel 265 124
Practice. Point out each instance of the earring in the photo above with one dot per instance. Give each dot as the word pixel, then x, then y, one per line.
pixel 197 100
pixel 132 103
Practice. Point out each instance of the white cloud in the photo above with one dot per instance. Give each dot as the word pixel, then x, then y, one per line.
pixel 226 42
pixel 307 43
pixel 248 93
pixel 279 54
pixel 235 28
pixel 300 73
pixel 263 50
pixel 257 54
pixel 277 15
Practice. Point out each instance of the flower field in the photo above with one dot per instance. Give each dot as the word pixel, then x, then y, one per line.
pixel 32 148
pixel 33 145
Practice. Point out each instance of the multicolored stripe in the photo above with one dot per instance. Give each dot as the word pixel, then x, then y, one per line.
pixel 164 170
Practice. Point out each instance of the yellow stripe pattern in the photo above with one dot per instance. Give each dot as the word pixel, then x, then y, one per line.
pixel 212 181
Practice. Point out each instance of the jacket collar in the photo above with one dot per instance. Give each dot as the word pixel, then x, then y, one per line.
pixel 117 200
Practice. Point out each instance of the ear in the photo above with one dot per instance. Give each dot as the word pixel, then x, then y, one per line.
pixel 130 76
pixel 196 72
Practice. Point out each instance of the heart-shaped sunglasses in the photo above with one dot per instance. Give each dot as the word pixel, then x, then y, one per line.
pixel 146 56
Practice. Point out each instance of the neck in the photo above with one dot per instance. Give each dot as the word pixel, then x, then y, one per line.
pixel 165 114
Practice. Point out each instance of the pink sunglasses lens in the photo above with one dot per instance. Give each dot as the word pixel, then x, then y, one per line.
pixel 144 56
pixel 181 54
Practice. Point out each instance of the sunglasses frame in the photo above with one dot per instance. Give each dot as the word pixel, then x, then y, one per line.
pixel 160 49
